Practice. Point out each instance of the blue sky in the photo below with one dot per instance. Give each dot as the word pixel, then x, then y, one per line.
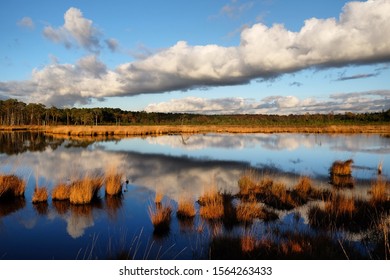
pixel 215 56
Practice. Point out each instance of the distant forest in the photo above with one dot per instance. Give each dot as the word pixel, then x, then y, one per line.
pixel 14 112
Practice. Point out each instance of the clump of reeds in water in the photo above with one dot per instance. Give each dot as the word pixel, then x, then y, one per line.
pixel 112 181
pixel 160 216
pixel 341 174
pixel 247 211
pixel 380 192
pixel 11 186
pixel 84 190
pixel 40 195
pixel 252 184
pixel 342 167
pixel 185 208
pixel 61 192
pixel 211 203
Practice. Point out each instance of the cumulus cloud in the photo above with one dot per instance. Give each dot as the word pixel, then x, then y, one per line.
pixel 356 37
pixel 76 30
pixel 26 22
pixel 370 101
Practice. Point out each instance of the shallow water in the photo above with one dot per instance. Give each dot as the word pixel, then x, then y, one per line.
pixel 116 227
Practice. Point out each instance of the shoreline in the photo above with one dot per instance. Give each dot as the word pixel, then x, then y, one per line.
pixel 135 130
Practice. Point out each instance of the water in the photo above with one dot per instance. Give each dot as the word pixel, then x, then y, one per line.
pixel 116 227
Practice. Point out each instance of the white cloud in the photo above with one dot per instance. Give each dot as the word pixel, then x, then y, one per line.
pixel 76 30
pixel 26 22
pixel 357 37
pixel 371 101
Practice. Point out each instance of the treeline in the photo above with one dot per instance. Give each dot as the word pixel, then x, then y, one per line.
pixel 14 112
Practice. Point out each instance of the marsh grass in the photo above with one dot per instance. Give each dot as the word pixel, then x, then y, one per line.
pixel 61 192
pixel 277 246
pixel 341 174
pixel 40 195
pixel 82 191
pixel 185 208
pixel 112 181
pixel 248 211
pixel 342 168
pixel 11 186
pixel 379 192
pixel 160 217
pixel 211 203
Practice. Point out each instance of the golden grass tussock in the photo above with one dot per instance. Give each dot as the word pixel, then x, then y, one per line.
pixel 212 210
pixel 248 211
pixel 185 208
pixel 304 187
pixel 84 190
pixel 11 186
pixel 252 184
pixel 112 180
pixel 341 167
pixel 40 195
pixel 61 192
pixel 211 202
pixel 340 205
pixel 379 192
pixel 160 217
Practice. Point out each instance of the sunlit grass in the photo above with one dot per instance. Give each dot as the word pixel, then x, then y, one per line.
pixel 185 208
pixel 342 167
pixel 40 195
pixel 160 217
pixel 61 192
pixel 211 202
pixel 82 191
pixel 112 181
pixel 11 186
pixel 379 192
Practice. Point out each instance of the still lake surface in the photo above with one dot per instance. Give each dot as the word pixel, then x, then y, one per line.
pixel 114 227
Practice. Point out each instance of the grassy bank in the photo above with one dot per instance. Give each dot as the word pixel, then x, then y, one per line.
pixel 135 130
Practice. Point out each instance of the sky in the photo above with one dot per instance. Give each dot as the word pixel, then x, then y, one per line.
pixel 204 56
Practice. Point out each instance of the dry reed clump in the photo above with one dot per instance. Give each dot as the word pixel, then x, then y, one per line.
pixel 11 186
pixel 251 184
pixel 342 167
pixel 84 190
pixel 379 192
pixel 280 197
pixel 248 211
pixel 211 204
pixel 61 192
pixel 40 195
pixel 339 205
pixel 160 217
pixel 112 181
pixel 185 208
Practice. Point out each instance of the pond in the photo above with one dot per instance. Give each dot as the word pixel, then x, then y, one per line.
pixel 177 166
